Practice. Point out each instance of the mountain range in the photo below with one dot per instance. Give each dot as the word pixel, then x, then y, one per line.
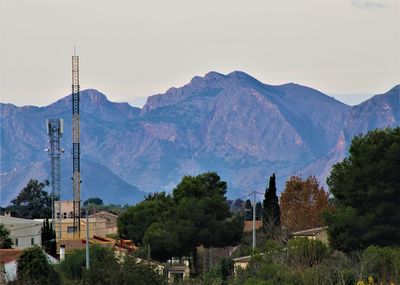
pixel 233 124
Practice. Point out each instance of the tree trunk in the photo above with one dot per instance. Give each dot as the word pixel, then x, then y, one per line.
pixel 195 262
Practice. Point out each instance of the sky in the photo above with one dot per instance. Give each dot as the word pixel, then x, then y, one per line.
pixel 133 49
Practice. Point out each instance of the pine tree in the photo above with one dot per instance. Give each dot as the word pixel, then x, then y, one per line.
pixel 272 213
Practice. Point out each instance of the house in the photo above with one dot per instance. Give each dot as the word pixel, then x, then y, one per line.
pixel 111 221
pixel 241 263
pixel 315 234
pixel 70 244
pixel 24 233
pixel 97 226
pixel 8 263
pixel 177 270
pixel 248 226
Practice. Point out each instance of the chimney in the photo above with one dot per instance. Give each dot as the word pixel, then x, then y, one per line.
pixel 62 252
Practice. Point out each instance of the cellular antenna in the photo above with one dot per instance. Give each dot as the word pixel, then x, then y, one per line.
pixel 55 129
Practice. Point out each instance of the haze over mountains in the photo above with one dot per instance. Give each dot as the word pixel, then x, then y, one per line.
pixel 233 124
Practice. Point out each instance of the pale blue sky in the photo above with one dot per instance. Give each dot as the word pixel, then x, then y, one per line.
pixel 133 49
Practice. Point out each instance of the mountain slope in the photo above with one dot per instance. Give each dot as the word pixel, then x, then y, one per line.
pixel 233 124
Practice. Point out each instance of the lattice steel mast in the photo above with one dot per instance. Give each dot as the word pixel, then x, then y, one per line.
pixel 76 178
pixel 55 129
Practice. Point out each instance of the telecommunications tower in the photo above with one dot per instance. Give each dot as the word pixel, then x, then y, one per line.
pixel 76 169
pixel 55 129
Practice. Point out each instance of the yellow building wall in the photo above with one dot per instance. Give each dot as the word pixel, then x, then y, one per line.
pixel 97 227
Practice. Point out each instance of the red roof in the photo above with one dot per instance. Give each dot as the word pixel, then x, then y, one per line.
pixel 248 225
pixel 8 255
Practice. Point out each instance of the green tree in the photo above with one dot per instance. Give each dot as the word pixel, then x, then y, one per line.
pixel 259 211
pixel 104 268
pixel 133 223
pixel 49 238
pixel 248 210
pixel 139 273
pixel 33 268
pixel 93 200
pixel 5 240
pixel 366 187
pixel 32 202
pixel 199 216
pixel 272 212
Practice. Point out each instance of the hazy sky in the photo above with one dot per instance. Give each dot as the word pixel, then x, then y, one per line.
pixel 132 49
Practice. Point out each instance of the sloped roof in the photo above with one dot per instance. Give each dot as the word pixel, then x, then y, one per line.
pixel 310 232
pixel 9 254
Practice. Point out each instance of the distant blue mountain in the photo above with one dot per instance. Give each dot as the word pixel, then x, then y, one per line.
pixel 233 124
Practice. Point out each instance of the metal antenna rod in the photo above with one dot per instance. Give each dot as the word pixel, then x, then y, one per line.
pixel 76 175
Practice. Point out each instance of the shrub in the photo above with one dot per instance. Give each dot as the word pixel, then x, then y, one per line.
pixel 34 269
pixel 304 252
pixel 382 263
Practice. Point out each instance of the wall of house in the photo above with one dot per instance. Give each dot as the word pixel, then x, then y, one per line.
pixel 24 233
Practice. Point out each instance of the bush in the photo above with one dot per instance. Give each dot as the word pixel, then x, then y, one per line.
pixel 382 263
pixel 333 270
pixel 139 273
pixel 73 265
pixel 105 269
pixel 262 270
pixel 304 252
pixel 34 269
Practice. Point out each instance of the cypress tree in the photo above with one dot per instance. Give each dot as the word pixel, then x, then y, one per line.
pixel 259 211
pixel 248 215
pixel 272 212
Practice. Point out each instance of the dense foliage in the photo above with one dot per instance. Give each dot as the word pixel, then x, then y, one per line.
pixel 272 212
pixel 5 240
pixel 366 187
pixel 196 214
pixel 302 203
pixel 107 269
pixel 32 202
pixel 134 222
pixel 248 210
pixel 93 200
pixel 33 268
pixel 49 238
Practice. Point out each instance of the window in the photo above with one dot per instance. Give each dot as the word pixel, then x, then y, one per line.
pixel 70 230
pixel 16 242
pixel 65 215
pixel 32 241
pixel 58 215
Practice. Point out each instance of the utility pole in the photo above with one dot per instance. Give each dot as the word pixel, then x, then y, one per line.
pixel 87 239
pixel 254 220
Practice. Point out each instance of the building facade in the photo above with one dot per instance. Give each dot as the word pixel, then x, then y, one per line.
pixel 24 233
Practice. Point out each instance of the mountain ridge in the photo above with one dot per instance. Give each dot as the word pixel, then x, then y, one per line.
pixel 233 124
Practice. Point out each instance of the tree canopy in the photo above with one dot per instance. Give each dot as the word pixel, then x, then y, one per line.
pixel 33 268
pixel 302 203
pixel 5 240
pixel 137 219
pixel 93 200
pixel 196 214
pixel 32 202
pixel 366 187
